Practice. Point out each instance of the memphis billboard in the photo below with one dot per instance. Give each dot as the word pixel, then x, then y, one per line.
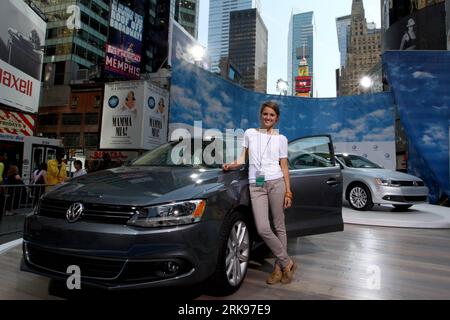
pixel 123 50
pixel 22 36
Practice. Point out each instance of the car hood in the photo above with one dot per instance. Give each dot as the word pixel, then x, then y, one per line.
pixel 137 186
pixel 383 173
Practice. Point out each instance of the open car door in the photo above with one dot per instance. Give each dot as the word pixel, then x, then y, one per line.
pixel 316 183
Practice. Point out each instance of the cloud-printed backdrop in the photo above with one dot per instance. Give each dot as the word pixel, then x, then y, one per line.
pixel 198 95
pixel 420 82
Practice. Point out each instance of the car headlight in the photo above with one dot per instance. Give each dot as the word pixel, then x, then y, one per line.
pixel 171 214
pixel 386 182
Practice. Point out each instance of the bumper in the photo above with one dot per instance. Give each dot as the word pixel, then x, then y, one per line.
pixel 399 195
pixel 118 256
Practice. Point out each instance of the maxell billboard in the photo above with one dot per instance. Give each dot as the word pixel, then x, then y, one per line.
pixel 123 50
pixel 22 36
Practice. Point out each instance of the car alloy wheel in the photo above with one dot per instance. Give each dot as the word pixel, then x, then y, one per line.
pixel 359 198
pixel 237 254
pixel 233 255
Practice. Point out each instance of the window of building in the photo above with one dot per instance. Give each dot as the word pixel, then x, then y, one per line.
pixel 71 119
pixel 97 101
pixel 91 118
pixel 91 139
pixel 74 103
pixel 71 139
pixel 50 119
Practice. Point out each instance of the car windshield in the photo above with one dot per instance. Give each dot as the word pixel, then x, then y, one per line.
pixel 354 161
pixel 191 153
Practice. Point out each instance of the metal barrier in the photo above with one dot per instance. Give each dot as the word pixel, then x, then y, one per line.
pixel 16 201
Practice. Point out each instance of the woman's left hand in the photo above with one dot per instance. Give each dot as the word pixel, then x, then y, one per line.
pixel 287 202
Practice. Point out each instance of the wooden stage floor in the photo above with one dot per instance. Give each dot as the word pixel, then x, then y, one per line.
pixel 363 262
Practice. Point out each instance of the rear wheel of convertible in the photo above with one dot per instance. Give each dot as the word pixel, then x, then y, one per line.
pixel 233 257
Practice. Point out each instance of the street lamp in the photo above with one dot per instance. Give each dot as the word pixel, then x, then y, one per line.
pixel 282 86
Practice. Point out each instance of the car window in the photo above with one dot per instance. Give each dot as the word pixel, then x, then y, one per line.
pixel 312 152
pixel 354 161
pixel 190 152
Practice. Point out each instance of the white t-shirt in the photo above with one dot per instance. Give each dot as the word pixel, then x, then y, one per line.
pixel 265 152
pixel 79 173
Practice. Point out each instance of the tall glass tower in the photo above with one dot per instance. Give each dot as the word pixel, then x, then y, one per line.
pixel 300 44
pixel 219 26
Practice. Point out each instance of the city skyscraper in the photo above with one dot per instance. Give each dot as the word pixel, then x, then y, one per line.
pixel 363 52
pixel 185 12
pixel 248 48
pixel 300 44
pixel 219 27
pixel 68 50
pixel 343 34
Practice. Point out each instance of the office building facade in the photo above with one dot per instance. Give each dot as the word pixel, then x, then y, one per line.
pixel 300 45
pixel 343 34
pixel 363 52
pixel 185 12
pixel 219 27
pixel 248 48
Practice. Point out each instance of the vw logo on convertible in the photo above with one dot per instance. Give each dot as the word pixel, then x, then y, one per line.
pixel 74 212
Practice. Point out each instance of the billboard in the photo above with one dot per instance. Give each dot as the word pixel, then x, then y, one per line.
pixel 22 36
pixel 135 115
pixel 123 49
pixel 16 123
pixel 422 30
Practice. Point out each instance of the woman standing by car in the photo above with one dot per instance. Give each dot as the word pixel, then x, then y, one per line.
pixel 269 186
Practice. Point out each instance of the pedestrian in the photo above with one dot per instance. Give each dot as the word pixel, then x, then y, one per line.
pixel 40 180
pixel 57 169
pixel 269 185
pixel 16 191
pixel 79 170
pixel 2 169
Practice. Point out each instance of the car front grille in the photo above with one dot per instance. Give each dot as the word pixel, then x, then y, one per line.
pixel 92 212
pixel 90 267
pixel 408 183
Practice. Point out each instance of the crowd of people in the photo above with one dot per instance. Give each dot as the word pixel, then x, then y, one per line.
pixel 15 193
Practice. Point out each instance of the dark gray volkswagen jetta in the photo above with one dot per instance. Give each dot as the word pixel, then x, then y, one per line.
pixel 160 222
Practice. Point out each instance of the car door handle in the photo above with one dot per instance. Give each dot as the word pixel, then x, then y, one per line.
pixel 332 182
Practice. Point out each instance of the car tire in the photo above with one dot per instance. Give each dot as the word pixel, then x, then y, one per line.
pixel 402 207
pixel 359 197
pixel 233 257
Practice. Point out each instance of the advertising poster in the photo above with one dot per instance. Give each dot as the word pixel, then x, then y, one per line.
pixel 122 115
pixel 22 36
pixel 424 29
pixel 123 49
pixel 156 115
pixel 16 123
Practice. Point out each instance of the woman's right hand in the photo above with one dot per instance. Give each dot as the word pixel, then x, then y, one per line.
pixel 226 167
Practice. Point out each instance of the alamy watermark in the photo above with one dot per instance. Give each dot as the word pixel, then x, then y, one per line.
pixel 223 147
pixel 74 279
pixel 74 20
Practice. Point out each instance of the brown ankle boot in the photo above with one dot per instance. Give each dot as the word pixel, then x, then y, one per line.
pixel 288 272
pixel 275 276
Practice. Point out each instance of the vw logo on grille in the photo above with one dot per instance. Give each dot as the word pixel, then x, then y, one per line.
pixel 74 212
pixel 415 183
